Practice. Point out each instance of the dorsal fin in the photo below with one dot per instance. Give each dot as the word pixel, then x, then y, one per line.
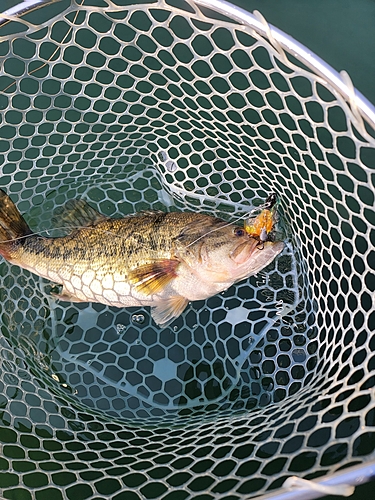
pixel 150 212
pixel 75 214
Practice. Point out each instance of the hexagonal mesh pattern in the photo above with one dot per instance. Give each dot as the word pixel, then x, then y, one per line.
pixel 157 106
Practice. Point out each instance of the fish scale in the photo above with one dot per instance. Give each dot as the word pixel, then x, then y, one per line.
pixel 158 259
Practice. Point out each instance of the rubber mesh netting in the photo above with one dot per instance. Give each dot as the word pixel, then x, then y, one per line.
pixel 167 106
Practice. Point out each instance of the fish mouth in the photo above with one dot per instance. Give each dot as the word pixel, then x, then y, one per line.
pixel 244 251
pixel 252 256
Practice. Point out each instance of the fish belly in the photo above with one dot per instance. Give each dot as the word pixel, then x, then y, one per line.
pixel 84 283
pixel 90 285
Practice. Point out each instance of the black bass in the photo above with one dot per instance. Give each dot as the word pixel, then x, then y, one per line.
pixel 158 259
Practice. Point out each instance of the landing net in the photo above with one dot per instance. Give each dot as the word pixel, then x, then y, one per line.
pixel 198 106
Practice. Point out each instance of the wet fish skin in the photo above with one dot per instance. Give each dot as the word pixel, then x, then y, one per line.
pixel 158 259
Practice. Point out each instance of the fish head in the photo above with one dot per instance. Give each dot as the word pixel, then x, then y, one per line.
pixel 224 253
pixel 239 255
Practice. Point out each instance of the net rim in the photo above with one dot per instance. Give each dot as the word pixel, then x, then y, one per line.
pixel 24 7
pixel 340 81
pixel 307 57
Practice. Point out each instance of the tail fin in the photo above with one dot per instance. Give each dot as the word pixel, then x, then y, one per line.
pixel 12 225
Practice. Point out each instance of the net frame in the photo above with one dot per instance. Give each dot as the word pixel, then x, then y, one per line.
pixel 358 109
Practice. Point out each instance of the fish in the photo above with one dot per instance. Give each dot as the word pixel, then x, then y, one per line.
pixel 162 260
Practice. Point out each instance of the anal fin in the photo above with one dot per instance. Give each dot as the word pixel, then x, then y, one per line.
pixel 168 309
pixel 153 277
pixel 66 296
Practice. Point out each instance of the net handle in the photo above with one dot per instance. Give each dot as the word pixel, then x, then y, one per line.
pixel 354 476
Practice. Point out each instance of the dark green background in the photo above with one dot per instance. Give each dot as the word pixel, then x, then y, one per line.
pixel 342 33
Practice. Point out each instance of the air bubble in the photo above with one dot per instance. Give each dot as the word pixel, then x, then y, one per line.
pixel 162 156
pixel 171 166
pixel 255 373
pixel 120 328
pixel 269 385
pixel 138 318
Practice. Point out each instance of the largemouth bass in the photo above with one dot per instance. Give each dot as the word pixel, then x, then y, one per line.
pixel 158 259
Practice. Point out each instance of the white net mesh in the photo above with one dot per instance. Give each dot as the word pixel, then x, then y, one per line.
pixel 163 105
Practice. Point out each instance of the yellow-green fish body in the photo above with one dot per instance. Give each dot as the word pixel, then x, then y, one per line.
pixel 157 259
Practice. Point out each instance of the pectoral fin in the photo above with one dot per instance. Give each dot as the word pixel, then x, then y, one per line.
pixel 168 309
pixel 153 277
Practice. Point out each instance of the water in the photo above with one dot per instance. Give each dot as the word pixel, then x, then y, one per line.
pixel 202 358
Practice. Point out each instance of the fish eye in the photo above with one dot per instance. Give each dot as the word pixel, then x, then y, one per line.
pixel 239 232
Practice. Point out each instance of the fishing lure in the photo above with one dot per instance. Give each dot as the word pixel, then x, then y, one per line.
pixel 261 226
